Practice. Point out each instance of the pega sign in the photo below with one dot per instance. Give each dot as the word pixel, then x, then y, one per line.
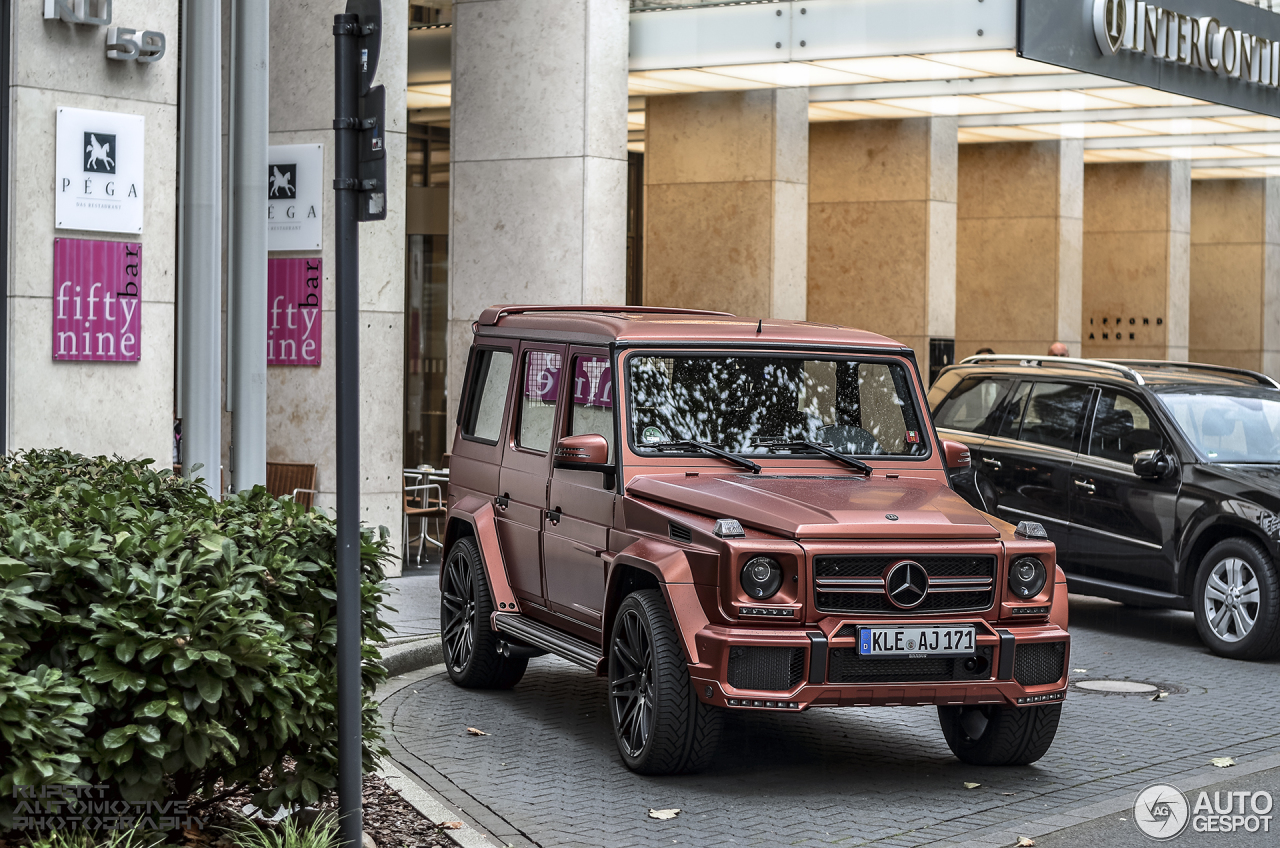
pixel 293 311
pixel 97 300
pixel 1201 42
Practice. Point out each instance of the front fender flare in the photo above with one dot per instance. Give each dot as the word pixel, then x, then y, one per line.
pixel 670 567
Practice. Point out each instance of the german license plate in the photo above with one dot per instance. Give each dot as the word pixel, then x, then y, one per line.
pixel 916 642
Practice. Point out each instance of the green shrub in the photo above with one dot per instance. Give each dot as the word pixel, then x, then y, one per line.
pixel 148 631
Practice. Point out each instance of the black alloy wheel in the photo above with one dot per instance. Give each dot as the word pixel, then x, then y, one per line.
pixel 659 723
pixel 470 643
pixel 998 735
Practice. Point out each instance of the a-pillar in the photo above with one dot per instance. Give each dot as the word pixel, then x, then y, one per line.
pixel 1137 260
pixel 1018 264
pixel 1235 273
pixel 726 201
pixel 882 228
pixel 538 159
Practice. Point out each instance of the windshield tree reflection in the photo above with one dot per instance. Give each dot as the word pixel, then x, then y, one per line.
pixel 857 407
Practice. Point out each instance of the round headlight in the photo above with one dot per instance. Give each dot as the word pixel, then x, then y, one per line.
pixel 761 578
pixel 1026 577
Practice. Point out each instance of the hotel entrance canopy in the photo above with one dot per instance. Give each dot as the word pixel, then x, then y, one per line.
pixel 1187 79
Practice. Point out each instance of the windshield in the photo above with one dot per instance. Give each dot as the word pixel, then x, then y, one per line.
pixel 1229 427
pixel 733 401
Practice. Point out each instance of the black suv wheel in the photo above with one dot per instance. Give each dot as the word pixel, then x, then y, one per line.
pixel 660 725
pixel 1000 736
pixel 470 643
pixel 1237 601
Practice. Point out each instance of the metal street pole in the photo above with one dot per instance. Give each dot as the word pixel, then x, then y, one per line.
pixel 347 80
pixel 200 293
pixel 247 342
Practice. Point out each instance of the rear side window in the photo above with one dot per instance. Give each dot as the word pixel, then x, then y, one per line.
pixel 488 401
pixel 972 406
pixel 539 388
pixel 1054 412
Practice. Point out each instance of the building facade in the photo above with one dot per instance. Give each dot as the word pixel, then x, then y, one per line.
pixel 959 176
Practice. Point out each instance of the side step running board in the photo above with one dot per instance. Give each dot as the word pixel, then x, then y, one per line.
pixel 548 638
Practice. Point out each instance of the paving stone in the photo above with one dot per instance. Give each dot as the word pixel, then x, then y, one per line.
pixel 836 777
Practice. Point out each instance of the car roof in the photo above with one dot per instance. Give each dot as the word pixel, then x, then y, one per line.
pixel 606 324
pixel 1154 374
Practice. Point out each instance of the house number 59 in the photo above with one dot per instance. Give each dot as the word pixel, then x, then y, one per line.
pixel 127 44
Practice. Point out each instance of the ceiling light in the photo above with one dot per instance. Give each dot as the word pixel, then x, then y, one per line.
pixel 1140 96
pixel 1264 123
pixel 998 62
pixel 1182 126
pixel 855 109
pixel 790 74
pixel 962 104
pixel 899 68
pixel 1230 173
pixel 1054 101
pixel 987 134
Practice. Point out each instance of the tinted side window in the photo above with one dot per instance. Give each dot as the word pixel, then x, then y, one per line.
pixel 972 405
pixel 539 387
pixel 592 409
pixel 1122 428
pixel 1013 412
pixel 1054 411
pixel 488 402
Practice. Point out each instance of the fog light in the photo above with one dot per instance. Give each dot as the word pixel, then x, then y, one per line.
pixel 1026 577
pixel 761 578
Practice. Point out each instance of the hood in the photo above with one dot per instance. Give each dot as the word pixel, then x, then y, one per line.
pixel 1265 477
pixel 823 507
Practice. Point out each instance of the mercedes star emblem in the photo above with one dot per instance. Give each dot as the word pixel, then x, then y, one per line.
pixel 906 584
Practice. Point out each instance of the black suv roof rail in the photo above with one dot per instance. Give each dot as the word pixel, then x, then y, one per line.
pixel 1259 378
pixel 1058 361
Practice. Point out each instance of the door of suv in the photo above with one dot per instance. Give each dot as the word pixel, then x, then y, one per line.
pixel 1124 525
pixel 526 467
pixel 968 414
pixel 575 535
pixel 1025 466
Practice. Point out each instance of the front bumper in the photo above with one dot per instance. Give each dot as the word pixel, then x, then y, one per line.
pixel 831 675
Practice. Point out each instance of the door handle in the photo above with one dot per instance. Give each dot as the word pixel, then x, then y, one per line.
pixel 1086 486
pixel 994 464
pixel 554 515
pixel 502 501
pixel 587 549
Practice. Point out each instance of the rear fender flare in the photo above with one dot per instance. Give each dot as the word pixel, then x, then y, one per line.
pixel 478 513
pixel 670 569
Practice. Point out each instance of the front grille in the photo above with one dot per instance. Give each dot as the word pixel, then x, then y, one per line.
pixel 846 665
pixel 768 669
pixel 867 595
pixel 1038 663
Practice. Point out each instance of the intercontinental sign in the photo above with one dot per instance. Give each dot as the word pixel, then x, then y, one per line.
pixel 1202 42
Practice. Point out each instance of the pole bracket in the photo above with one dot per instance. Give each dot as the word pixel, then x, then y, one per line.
pixel 346 28
pixel 347 124
pixel 347 183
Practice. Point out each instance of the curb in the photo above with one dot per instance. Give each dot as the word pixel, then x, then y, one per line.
pixel 422 801
pixel 410 656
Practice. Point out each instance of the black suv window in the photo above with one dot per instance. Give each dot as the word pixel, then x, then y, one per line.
pixel 1013 412
pixel 972 405
pixel 1053 415
pixel 1122 428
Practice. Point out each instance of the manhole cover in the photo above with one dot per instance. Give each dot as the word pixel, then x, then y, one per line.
pixel 1118 687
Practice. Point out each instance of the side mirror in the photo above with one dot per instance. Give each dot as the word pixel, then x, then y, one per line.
pixel 1152 464
pixel 956 454
pixel 582 450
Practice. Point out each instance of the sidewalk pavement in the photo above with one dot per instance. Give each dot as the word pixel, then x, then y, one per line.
pixel 415 625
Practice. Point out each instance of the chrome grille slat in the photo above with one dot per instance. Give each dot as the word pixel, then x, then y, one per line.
pixel 855 583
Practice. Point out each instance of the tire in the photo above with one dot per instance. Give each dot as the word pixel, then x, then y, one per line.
pixel 470 643
pixel 659 723
pixel 1005 736
pixel 1236 601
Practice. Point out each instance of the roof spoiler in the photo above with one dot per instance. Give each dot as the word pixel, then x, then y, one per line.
pixel 490 316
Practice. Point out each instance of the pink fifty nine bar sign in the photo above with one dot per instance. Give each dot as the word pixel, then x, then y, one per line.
pixel 293 311
pixel 97 300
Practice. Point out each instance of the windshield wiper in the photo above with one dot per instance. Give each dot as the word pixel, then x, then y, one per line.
pixel 817 447
pixel 690 444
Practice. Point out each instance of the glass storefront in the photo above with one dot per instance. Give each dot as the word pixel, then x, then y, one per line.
pixel 426 313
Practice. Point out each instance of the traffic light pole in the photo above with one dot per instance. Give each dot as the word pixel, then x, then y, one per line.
pixel 347 82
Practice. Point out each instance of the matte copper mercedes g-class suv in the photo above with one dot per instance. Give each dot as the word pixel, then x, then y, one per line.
pixel 719 513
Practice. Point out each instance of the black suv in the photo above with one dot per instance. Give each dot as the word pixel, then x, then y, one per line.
pixel 1158 481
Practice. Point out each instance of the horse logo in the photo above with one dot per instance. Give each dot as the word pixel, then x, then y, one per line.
pixel 97 148
pixel 283 178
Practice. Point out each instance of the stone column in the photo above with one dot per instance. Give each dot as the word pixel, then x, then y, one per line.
pixel 538 159
pixel 1235 274
pixel 1137 260
pixel 1018 264
pixel 726 201
pixel 882 228
pixel 300 400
